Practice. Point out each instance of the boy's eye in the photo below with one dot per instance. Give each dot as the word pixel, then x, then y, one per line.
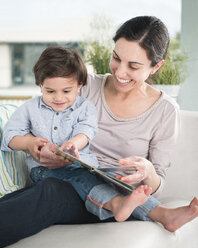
pixel 50 91
pixel 66 91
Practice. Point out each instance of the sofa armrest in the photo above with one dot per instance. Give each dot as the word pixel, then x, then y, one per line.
pixel 182 176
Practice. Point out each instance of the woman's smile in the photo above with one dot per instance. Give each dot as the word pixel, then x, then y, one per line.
pixel 123 81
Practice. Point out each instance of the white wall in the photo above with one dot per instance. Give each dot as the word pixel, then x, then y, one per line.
pixel 188 97
pixel 5 66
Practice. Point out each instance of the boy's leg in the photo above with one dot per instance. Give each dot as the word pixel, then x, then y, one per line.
pixel 95 192
pixel 83 182
pixel 130 206
pixel 143 210
pixel 28 211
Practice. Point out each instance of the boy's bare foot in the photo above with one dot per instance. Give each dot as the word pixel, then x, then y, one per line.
pixel 123 206
pixel 173 219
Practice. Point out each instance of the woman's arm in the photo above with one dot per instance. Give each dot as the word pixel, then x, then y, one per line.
pixel 152 171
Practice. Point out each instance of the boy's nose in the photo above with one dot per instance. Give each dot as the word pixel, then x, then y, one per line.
pixel 58 97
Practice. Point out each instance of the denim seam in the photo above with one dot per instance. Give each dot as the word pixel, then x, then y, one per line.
pixel 95 202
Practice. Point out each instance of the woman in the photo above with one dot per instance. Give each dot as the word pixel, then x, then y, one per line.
pixel 136 121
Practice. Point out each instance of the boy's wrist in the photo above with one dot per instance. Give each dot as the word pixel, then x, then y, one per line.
pixel 26 144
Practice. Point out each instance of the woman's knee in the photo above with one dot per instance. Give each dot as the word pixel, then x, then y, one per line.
pixel 55 189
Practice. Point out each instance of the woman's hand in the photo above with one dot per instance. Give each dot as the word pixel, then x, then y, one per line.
pixel 145 172
pixel 49 159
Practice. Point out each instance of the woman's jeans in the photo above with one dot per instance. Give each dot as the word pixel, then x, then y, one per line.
pixel 92 190
pixel 28 211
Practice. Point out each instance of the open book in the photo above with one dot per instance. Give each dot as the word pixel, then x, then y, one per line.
pixel 107 173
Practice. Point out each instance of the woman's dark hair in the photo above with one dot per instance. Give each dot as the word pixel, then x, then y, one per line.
pixel 60 62
pixel 151 34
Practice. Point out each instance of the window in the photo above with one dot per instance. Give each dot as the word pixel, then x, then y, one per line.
pixel 25 55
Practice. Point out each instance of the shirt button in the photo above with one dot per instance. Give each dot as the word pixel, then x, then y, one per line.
pixel 55 128
pixel 57 113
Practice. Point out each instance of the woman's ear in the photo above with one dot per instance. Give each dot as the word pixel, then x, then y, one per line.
pixel 157 67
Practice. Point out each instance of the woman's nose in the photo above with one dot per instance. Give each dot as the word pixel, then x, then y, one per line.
pixel 121 71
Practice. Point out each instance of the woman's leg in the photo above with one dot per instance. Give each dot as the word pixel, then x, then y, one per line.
pixel 28 211
pixel 173 218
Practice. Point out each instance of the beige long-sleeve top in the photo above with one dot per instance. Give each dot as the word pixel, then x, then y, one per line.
pixel 150 135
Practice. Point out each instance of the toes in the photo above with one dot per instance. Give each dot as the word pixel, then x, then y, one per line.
pixel 140 189
pixel 194 201
pixel 143 189
pixel 148 191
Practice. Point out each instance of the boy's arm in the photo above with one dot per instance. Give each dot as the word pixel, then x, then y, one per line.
pixel 28 143
pixel 87 124
pixel 17 125
pixel 75 144
pixel 79 141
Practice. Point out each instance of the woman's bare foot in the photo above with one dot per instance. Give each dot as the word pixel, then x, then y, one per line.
pixel 123 206
pixel 173 219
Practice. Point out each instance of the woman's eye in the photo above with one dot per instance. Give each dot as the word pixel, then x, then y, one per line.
pixel 116 58
pixel 133 68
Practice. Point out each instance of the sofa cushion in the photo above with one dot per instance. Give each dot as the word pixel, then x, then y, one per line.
pixel 13 171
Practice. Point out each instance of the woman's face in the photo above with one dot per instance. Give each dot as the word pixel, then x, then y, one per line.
pixel 129 65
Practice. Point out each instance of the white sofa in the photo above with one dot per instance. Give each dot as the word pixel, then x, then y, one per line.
pixel 182 186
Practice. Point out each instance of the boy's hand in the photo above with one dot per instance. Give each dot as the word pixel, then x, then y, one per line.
pixel 70 148
pixel 49 159
pixel 34 146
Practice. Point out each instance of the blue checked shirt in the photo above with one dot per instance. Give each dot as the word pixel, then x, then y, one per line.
pixel 35 117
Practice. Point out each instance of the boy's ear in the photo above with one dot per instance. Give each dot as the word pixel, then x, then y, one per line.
pixel 79 87
pixel 41 87
pixel 157 66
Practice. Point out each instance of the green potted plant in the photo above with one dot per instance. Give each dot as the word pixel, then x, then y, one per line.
pixel 173 72
pixel 98 45
pixel 98 56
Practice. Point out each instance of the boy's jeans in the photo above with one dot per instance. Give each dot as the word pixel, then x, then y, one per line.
pixel 92 190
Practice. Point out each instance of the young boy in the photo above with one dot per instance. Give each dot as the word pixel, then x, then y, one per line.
pixel 61 118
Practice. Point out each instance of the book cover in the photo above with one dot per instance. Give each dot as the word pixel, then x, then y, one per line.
pixel 107 173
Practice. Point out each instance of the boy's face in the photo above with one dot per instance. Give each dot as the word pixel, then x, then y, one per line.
pixel 60 93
